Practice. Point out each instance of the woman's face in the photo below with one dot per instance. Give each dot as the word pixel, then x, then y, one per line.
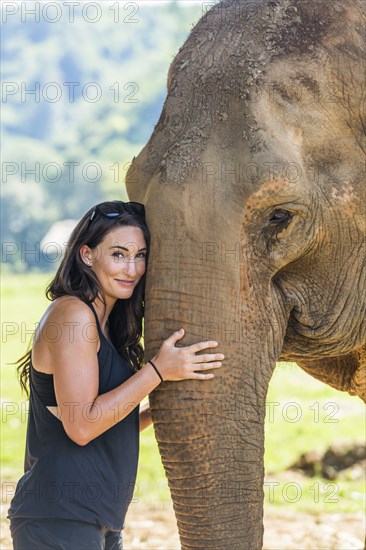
pixel 119 261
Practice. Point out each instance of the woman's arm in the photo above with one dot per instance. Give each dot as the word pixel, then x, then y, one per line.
pixel 85 414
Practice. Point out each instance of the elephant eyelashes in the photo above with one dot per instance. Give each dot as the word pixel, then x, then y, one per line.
pixel 280 218
pixel 278 221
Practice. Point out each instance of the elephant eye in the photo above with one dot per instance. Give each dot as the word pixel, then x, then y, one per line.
pixel 280 218
pixel 278 221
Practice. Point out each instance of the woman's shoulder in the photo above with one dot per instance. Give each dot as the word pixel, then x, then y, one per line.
pixel 64 321
pixel 66 310
pixel 69 308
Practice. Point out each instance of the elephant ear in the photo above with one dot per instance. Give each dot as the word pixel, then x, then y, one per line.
pixel 344 373
pixel 358 380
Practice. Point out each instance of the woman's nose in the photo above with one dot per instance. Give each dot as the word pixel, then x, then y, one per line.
pixel 130 267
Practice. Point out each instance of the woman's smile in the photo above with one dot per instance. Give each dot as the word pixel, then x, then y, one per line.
pixel 128 283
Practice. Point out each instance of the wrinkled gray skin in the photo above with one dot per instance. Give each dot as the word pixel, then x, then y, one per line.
pixel 254 187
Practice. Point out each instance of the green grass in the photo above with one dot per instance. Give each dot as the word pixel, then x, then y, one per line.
pixel 309 415
pixel 306 411
pixel 316 427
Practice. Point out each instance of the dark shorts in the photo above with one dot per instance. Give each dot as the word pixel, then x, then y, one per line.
pixel 61 534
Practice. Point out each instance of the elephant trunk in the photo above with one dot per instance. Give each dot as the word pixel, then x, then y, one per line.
pixel 211 433
pixel 212 450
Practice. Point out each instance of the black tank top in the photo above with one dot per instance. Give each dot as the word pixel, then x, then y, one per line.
pixel 92 483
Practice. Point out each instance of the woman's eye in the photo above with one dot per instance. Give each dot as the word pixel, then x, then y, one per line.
pixel 279 217
pixel 120 255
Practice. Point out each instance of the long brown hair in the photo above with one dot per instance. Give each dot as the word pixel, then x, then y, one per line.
pixel 75 278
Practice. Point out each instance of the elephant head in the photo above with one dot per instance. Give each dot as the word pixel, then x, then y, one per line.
pixel 253 184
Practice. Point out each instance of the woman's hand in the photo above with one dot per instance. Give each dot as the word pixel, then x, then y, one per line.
pixel 181 363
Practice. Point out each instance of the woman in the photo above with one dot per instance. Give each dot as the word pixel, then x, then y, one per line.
pixel 86 379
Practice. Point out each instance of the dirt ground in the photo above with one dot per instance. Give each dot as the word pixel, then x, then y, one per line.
pixel 282 531
pixel 154 528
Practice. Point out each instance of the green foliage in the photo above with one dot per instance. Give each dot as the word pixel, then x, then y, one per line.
pixel 118 67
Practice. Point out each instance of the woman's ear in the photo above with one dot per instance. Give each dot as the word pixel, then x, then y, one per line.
pixel 85 255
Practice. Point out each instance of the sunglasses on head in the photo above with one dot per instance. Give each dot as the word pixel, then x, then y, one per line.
pixel 114 209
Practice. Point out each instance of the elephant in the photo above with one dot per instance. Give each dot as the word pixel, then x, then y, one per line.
pixel 253 185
